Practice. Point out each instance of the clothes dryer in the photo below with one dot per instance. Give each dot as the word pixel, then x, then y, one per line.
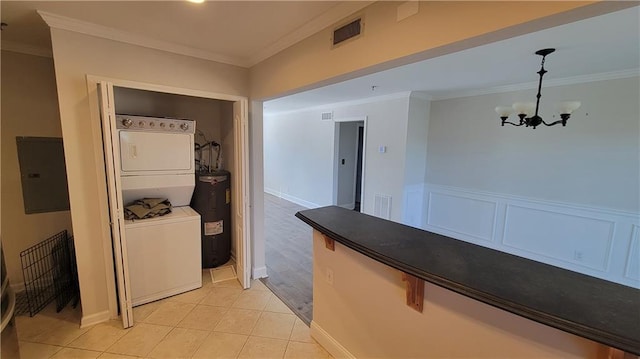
pixel 157 161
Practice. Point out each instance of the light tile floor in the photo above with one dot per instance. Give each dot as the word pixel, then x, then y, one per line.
pixel 216 321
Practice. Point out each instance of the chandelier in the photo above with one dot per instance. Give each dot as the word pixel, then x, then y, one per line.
pixel 528 111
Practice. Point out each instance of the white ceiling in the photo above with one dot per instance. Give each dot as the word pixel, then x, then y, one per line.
pixel 606 46
pixel 237 32
pixel 246 32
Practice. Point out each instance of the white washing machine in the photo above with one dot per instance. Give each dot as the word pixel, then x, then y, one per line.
pixel 164 255
pixel 157 161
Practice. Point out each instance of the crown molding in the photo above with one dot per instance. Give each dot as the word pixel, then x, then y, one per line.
pixel 421 95
pixel 334 105
pixel 26 49
pixel 328 18
pixel 613 75
pixel 314 26
pixel 87 28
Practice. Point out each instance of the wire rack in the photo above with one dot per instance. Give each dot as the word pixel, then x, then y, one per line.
pixel 50 272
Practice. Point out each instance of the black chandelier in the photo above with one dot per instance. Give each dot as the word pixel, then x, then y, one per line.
pixel 528 111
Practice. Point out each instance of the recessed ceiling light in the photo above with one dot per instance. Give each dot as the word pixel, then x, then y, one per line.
pixel 196 1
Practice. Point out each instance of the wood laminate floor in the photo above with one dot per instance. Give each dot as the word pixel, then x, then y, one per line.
pixel 289 256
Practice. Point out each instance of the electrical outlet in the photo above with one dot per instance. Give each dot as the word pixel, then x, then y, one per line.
pixel 328 276
pixel 577 255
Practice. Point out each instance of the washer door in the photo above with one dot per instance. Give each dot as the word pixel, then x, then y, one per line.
pixel 155 152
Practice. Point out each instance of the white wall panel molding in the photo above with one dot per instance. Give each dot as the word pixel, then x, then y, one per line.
pixel 568 237
pixel 445 209
pixel 632 265
pixel 603 243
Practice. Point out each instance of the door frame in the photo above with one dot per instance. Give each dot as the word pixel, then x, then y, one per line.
pixel 336 155
pixel 92 82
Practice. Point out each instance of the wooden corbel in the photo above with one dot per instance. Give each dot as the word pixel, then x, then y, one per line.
pixel 614 353
pixel 415 291
pixel 329 243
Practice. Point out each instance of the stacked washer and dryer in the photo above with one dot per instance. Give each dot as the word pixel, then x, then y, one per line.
pixel 157 161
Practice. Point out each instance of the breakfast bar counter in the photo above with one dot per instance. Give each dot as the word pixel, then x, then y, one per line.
pixel 587 307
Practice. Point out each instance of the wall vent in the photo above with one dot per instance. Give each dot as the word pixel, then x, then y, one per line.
pixel 347 31
pixel 382 206
pixel 327 116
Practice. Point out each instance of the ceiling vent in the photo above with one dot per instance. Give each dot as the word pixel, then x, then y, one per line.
pixel 348 31
pixel 327 116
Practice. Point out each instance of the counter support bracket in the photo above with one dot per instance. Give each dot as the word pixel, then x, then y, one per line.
pixel 415 291
pixel 329 243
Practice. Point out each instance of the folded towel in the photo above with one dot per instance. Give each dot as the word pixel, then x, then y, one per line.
pixel 147 208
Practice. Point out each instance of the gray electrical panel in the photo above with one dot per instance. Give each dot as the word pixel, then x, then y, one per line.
pixel 43 174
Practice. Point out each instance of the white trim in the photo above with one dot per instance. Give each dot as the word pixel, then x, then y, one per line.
pixel 17 287
pixel 631 216
pixel 87 28
pixel 93 319
pixel 317 24
pixel 312 27
pixel 350 119
pixel 348 206
pixel 331 106
pixel 166 89
pixel 291 198
pixel 260 272
pixel 92 81
pixel 26 49
pixel 613 75
pixel 328 342
pixel 335 149
pixel 421 95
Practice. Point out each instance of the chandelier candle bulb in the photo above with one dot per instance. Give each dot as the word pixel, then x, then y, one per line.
pixel 567 107
pixel 504 111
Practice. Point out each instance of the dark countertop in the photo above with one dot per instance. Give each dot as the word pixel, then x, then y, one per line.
pixel 586 306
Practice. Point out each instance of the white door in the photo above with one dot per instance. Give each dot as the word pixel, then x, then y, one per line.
pixel 241 192
pixel 109 137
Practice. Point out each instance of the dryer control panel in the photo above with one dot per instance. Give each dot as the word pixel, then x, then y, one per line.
pixel 155 124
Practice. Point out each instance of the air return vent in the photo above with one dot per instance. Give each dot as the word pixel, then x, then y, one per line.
pixel 348 31
pixel 382 206
pixel 327 116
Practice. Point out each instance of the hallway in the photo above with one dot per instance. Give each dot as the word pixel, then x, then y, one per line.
pixel 289 256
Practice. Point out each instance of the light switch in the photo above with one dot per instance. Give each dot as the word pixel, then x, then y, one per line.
pixel 382 149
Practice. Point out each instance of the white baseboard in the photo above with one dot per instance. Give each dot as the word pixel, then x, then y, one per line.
pixel 17 287
pixel 260 272
pixel 291 198
pixel 328 342
pixel 348 206
pixel 89 320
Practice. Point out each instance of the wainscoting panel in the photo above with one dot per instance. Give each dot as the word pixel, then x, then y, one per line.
pixel 580 240
pixel 632 269
pixel 412 213
pixel 598 242
pixel 445 210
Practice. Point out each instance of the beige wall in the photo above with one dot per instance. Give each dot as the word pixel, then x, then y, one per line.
pixel 440 27
pixel 364 311
pixel 308 63
pixel 29 108
pixel 77 55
